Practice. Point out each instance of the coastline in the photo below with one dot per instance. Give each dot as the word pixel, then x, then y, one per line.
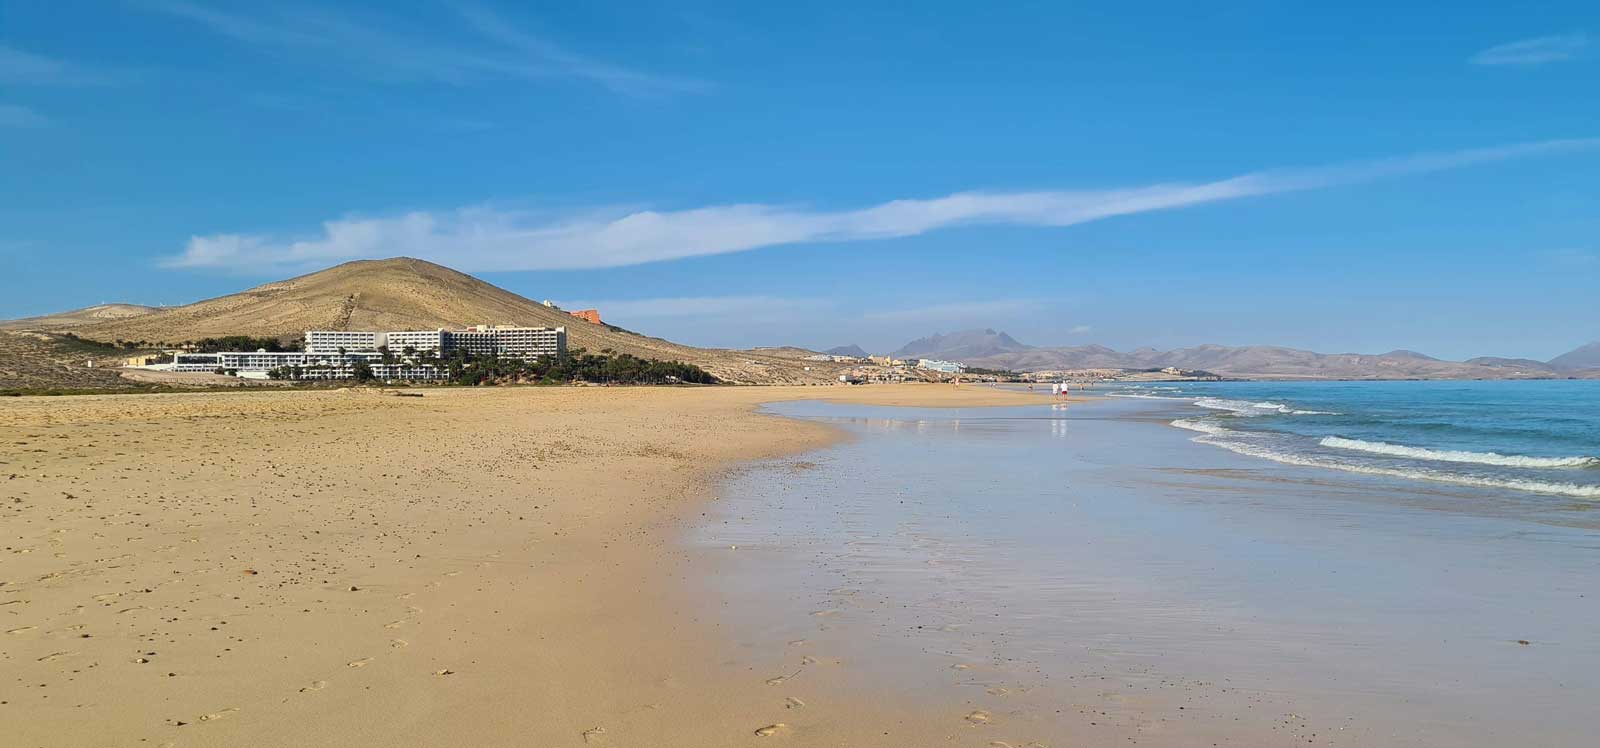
pixel 484 566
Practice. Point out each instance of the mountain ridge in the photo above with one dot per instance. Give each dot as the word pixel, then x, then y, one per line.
pixel 989 348
pixel 963 344
pixel 1585 356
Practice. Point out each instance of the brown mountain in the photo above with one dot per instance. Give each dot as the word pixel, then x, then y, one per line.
pixel 76 317
pixel 1582 357
pixel 996 350
pixel 402 294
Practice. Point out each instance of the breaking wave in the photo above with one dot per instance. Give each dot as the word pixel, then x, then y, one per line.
pixel 1247 408
pixel 1453 455
pixel 1483 481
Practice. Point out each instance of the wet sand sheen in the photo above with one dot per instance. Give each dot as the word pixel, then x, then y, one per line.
pixel 1091 573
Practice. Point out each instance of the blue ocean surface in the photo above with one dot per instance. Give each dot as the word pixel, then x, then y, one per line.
pixel 1538 437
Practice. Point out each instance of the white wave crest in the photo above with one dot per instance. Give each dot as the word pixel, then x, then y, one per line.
pixel 1202 427
pixel 1576 490
pixel 1453 455
pixel 1247 408
pixel 1140 396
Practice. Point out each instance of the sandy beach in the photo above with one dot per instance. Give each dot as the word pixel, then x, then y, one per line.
pixel 472 567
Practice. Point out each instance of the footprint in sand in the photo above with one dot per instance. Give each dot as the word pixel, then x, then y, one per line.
pixel 399 643
pixel 979 717
pixel 997 691
pixel 798 642
pixel 21 630
pixel 777 680
pixel 359 663
pixel 316 685
pixel 793 702
pixel 595 736
pixel 808 660
pixel 825 613
pixel 54 656
pixel 771 730
pixel 214 716
pixel 394 624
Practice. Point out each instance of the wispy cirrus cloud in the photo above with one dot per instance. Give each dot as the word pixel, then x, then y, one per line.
pixel 12 115
pixel 484 47
pixel 487 238
pixel 1536 51
pixel 22 68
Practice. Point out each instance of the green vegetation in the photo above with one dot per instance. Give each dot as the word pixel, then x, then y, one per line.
pixel 577 365
pixel 241 343
pixel 993 372
pixel 462 368
pixel 87 344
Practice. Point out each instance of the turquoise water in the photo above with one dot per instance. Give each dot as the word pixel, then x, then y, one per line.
pixel 1536 437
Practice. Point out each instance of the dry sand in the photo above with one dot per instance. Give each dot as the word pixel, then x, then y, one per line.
pixel 473 567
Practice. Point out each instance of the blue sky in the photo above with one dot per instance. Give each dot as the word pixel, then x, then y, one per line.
pixel 1357 177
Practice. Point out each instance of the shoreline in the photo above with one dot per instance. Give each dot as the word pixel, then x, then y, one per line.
pixel 256 567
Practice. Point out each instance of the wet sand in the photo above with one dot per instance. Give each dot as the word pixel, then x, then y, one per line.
pixel 1089 576
pixel 473 567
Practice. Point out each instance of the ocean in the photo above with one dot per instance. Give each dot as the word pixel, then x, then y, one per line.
pixel 1531 436
pixel 1088 572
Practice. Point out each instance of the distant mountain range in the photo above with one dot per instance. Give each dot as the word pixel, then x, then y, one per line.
pixel 993 349
pixel 852 350
pixel 960 346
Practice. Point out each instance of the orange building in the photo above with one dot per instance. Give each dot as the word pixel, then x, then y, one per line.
pixel 591 316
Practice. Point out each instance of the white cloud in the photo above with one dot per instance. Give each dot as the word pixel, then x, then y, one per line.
pixel 486 238
pixel 1080 330
pixel 1536 51
pixel 20 116
pixel 381 48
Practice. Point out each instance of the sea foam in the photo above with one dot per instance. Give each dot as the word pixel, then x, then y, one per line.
pixel 1454 455
pixel 1220 437
pixel 1247 408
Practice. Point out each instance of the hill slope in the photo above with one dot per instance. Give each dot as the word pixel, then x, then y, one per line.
pixel 1582 357
pixel 406 294
pixel 77 317
pixel 960 346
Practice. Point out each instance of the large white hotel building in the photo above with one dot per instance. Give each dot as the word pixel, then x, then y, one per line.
pixel 333 354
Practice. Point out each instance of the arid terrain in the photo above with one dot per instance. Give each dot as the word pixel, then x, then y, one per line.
pixel 395 294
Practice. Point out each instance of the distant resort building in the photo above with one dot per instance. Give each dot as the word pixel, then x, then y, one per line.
pixel 335 354
pixel 592 316
pixel 948 367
